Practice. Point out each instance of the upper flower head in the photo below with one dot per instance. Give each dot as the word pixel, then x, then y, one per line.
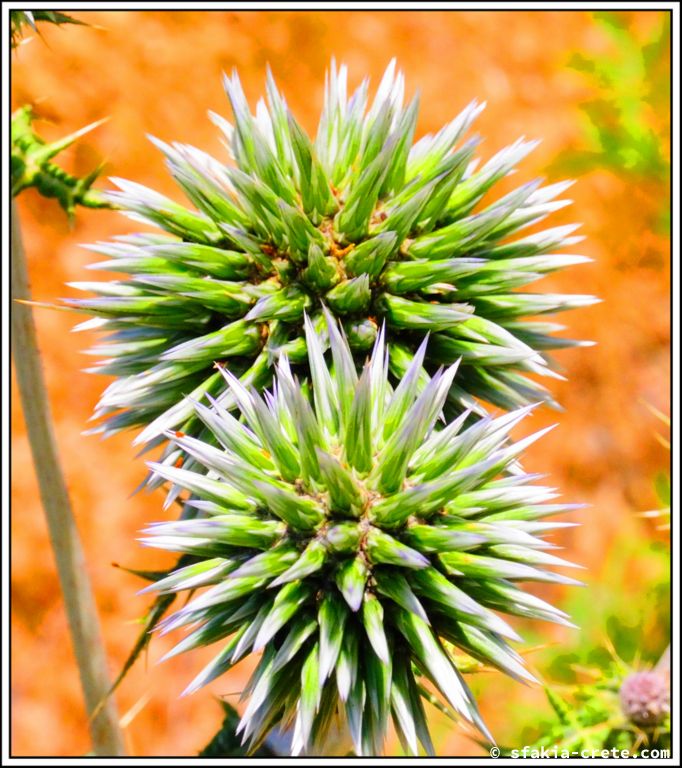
pixel 375 227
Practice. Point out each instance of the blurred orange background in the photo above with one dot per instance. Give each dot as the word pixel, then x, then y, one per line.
pixel 159 73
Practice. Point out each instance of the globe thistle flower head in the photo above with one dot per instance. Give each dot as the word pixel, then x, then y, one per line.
pixel 355 541
pixel 362 219
pixel 645 698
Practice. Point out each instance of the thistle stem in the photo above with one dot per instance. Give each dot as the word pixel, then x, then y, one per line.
pixel 107 737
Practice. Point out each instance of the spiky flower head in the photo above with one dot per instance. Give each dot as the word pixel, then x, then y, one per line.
pixel 355 541
pixel 645 698
pixel 363 220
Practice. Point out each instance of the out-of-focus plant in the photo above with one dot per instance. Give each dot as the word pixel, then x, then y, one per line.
pixel 636 619
pixel 631 85
pixel 613 693
pixel 620 707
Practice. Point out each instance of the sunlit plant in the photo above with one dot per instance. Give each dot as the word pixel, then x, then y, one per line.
pixel 361 220
pixel 620 708
pixel 355 546
pixel 315 343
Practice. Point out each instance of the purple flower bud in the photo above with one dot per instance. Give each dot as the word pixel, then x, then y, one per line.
pixel 645 698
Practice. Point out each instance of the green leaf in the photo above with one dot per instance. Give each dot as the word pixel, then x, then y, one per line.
pixel 377 676
pixel 344 375
pixel 392 463
pixel 402 706
pixel 269 564
pixel 325 396
pixel 416 315
pixel 408 276
pixel 233 529
pixel 287 304
pixel 352 221
pixel 344 492
pixel 296 511
pixel 347 664
pixel 316 194
pixel 322 272
pixel 430 538
pixel 355 709
pixel 437 665
pixel 302 627
pixel 193 576
pixel 238 338
pixel 205 487
pixel 369 256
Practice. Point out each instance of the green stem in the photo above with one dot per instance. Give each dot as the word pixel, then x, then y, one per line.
pixel 107 737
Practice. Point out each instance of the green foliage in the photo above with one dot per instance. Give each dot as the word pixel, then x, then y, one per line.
pixel 32 166
pixel 590 716
pixel 636 619
pixel 622 631
pixel 631 84
pixel 355 544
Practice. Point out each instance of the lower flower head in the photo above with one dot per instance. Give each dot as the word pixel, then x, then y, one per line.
pixel 355 540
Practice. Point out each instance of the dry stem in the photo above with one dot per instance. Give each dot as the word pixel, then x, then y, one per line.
pixel 107 737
